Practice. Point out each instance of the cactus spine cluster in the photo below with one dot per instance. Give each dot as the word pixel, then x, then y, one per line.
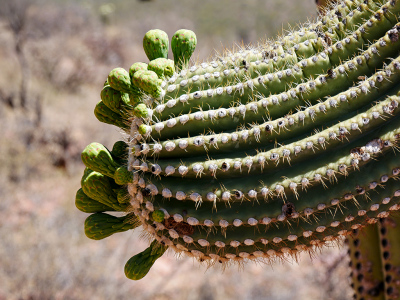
pixel 258 154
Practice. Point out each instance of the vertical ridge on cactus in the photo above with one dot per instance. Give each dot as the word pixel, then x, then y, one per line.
pixel 257 154
pixel 389 249
pixel 364 252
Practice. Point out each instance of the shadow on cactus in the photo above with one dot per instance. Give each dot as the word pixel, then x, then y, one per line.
pixel 258 154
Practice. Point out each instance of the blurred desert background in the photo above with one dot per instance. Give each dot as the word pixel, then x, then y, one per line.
pixel 54 58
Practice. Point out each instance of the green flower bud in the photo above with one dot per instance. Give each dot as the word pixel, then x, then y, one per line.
pixel 139 265
pixel 156 44
pixel 99 226
pixel 97 157
pixel 183 44
pixel 142 129
pixel 122 196
pixel 140 111
pixel 139 66
pixel 162 67
pixel 89 205
pixel 148 81
pixel 106 115
pixel 115 100
pixel 119 80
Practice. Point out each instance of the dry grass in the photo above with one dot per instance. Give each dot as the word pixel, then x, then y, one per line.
pixel 70 49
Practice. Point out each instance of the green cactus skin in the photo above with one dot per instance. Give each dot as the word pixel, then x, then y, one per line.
pixel 97 157
pixel 264 161
pixel 162 67
pixel 139 265
pixel 156 44
pixel 232 243
pixel 99 225
pixel 183 44
pixel 244 184
pixel 88 205
pixel 272 211
pixel 261 153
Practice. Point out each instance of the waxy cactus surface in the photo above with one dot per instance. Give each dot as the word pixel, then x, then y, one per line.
pixel 258 154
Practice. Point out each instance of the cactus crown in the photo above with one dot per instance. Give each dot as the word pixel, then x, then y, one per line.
pixel 258 154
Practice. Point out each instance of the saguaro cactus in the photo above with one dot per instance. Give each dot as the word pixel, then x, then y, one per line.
pixel 259 154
